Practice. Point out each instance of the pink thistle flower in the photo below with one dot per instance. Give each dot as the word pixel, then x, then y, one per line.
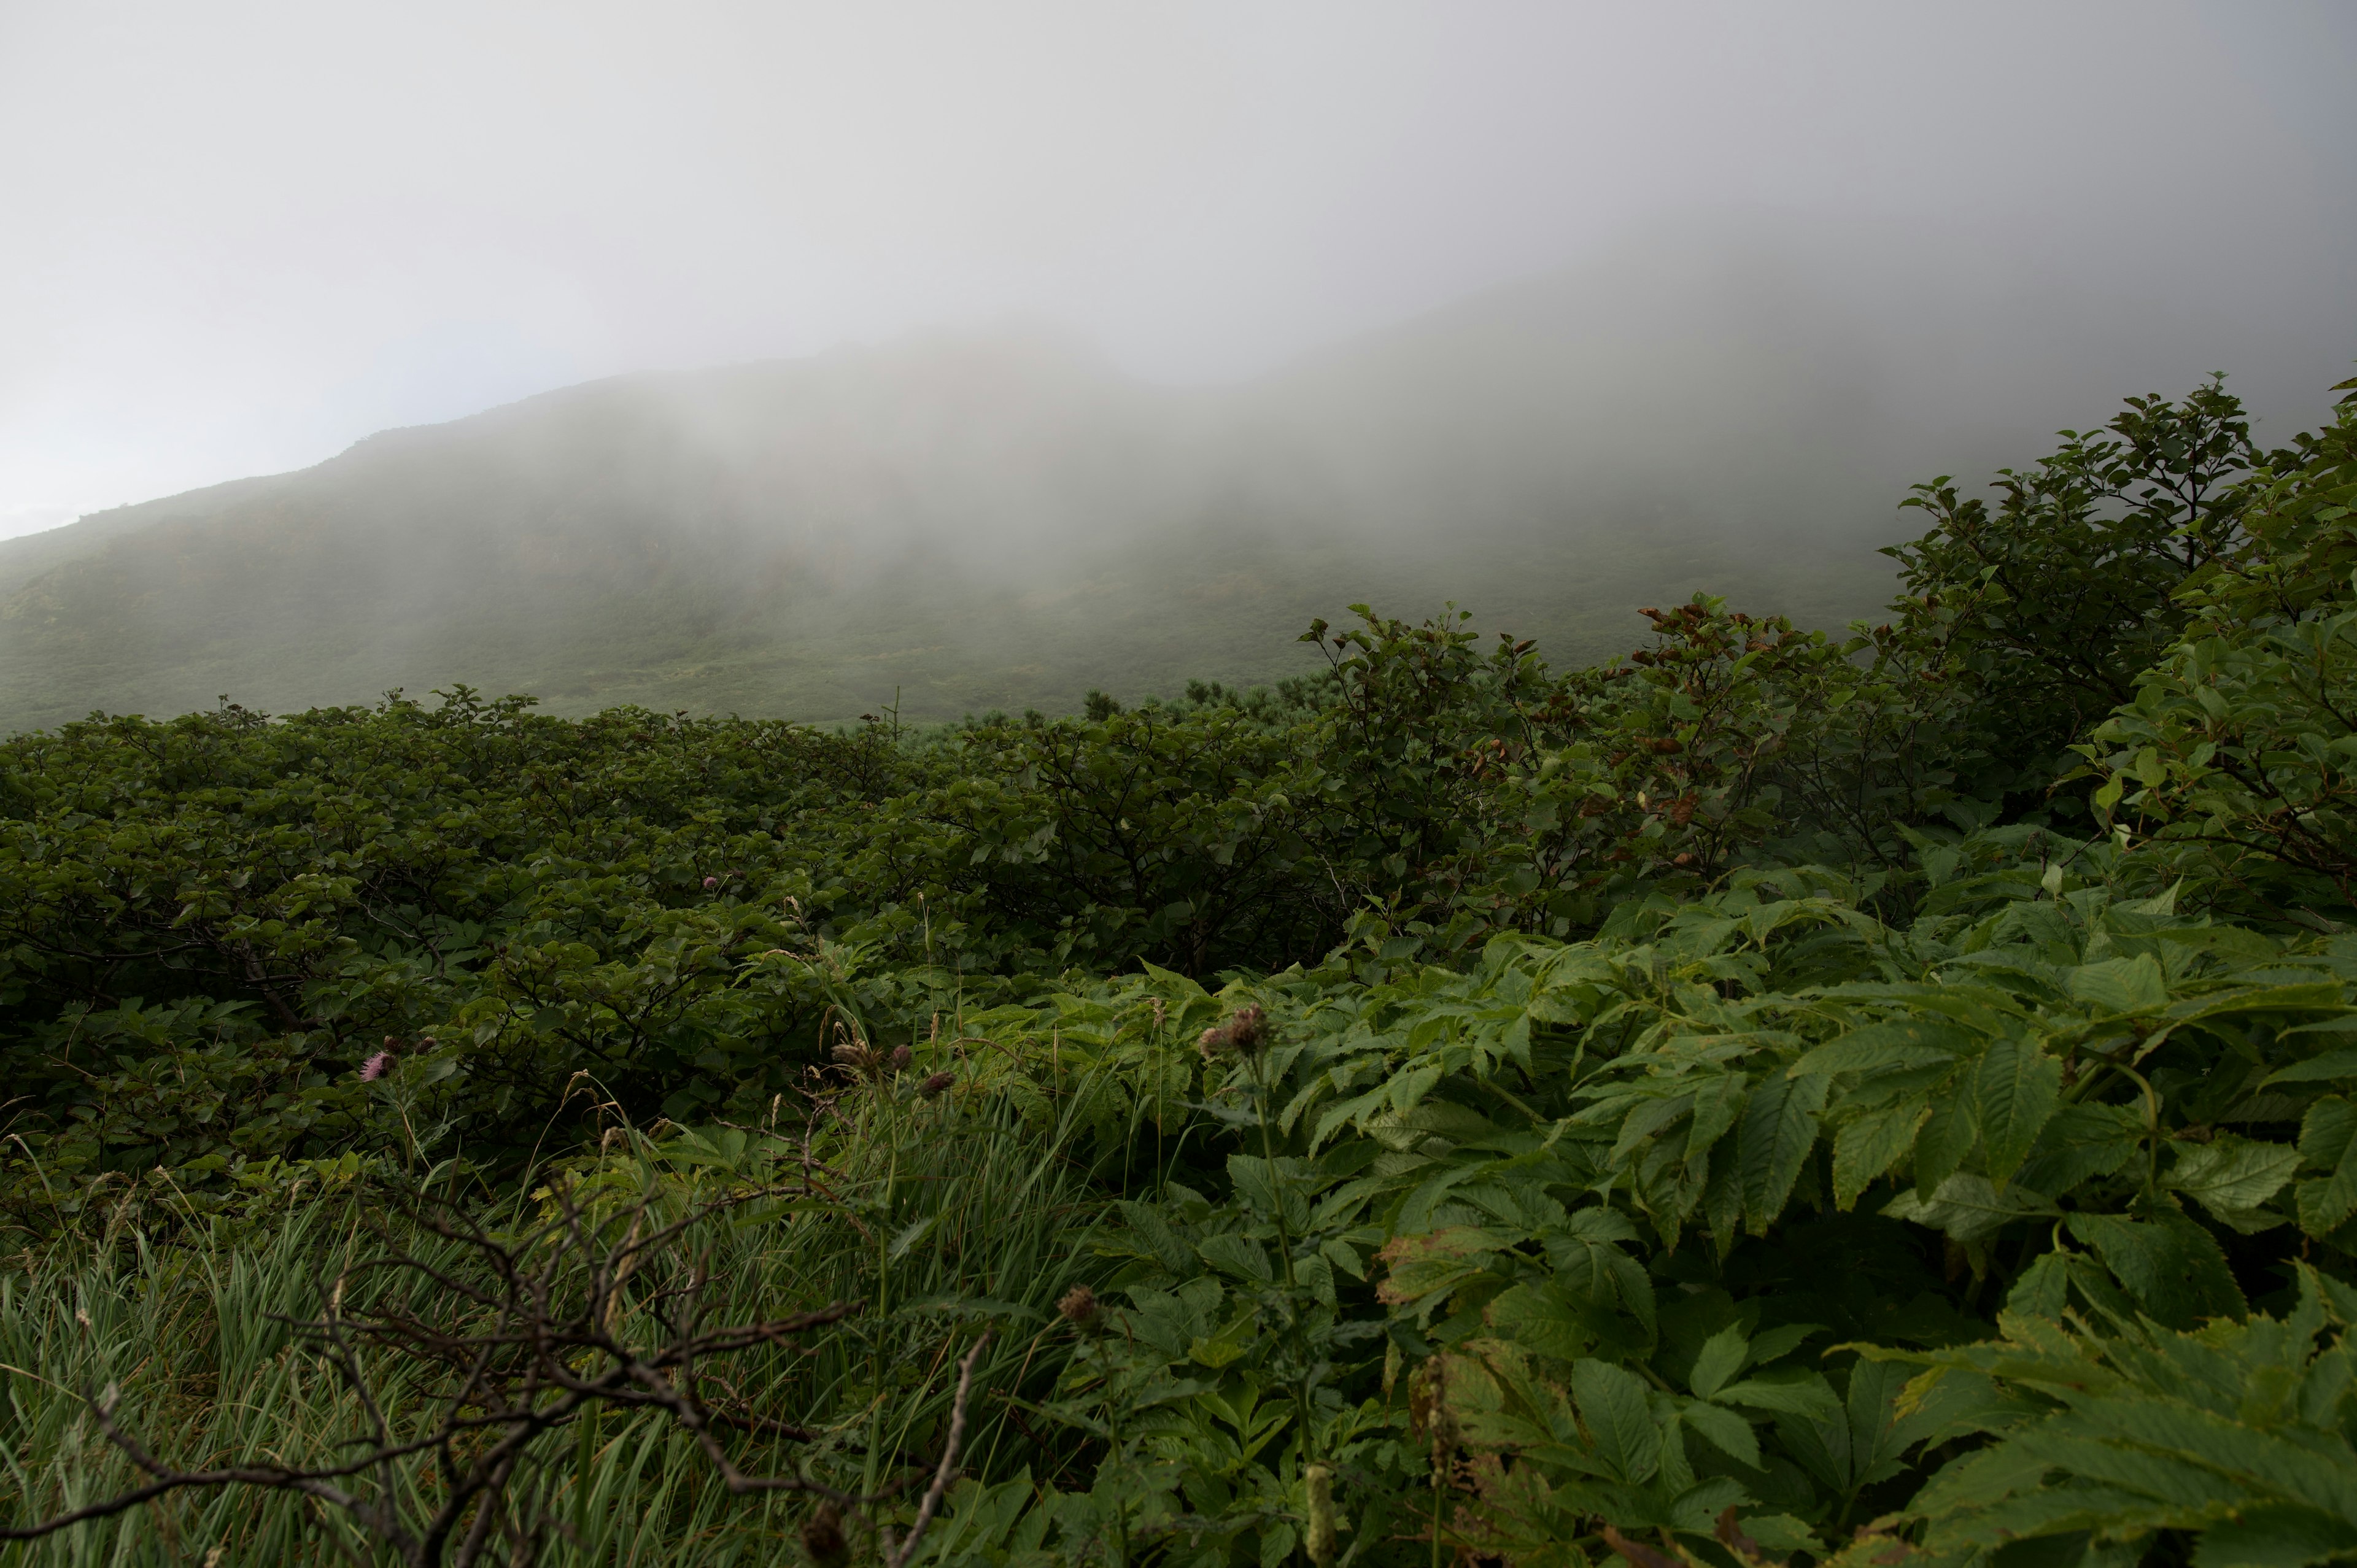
pixel 374 1069
pixel 710 883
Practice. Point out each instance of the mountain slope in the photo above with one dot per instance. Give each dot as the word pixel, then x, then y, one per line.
pixel 997 519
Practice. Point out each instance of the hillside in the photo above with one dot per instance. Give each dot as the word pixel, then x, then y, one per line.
pixel 1805 1103
pixel 999 519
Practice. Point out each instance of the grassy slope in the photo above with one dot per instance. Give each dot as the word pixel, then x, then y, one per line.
pixel 1139 622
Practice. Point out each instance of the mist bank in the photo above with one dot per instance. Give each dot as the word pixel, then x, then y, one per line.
pixel 1001 519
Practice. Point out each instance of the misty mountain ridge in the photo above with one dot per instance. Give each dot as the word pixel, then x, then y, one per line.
pixel 1001 519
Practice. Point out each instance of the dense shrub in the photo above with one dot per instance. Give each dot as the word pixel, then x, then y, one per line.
pixel 1714 1108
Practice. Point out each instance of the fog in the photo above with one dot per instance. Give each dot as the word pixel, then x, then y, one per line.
pixel 243 236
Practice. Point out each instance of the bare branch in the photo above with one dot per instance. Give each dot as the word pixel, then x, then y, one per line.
pixel 540 1342
pixel 948 1470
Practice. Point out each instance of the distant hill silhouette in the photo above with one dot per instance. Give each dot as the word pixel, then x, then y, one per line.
pixel 999 519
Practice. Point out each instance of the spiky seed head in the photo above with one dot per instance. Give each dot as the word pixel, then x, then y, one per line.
pixel 1078 1306
pixel 1244 1033
pixel 822 1537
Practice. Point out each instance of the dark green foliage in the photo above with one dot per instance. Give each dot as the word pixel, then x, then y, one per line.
pixel 2238 749
pixel 2053 602
pixel 1711 1108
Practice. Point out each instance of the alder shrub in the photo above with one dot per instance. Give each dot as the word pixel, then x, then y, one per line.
pixel 1887 1097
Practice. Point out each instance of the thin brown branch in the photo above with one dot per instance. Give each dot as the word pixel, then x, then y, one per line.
pixel 948 1470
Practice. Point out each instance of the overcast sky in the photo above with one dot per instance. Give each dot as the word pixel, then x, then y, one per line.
pixel 235 237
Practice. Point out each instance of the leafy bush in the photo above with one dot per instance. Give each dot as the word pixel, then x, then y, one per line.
pixel 2238 750
pixel 1709 1109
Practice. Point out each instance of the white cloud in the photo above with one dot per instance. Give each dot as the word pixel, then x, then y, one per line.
pixel 249 232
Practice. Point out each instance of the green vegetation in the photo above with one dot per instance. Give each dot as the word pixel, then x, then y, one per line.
pixel 1885 1099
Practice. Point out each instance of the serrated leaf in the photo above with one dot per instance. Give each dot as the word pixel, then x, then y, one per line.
pixel 1780 1127
pixel 1239 1256
pixel 1947 1137
pixel 2330 1065
pixel 1618 1418
pixel 2044 1289
pixel 1869 1145
pixel 1726 1430
pixel 1967 1207
pixel 2081 1143
pixel 2015 1090
pixel 2121 984
pixel 1722 1356
pixel 1790 1393
pixel 1716 1106
pixel 2173 1268
pixel 2325 1206
pixel 1879 1046
pixel 2326 1133
pixel 1775 1343
pixel 911 1237
pixel 1541 1319
pixel 2232 1175
pixel 2280 1537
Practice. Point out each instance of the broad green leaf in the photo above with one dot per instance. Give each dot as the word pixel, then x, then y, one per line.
pixel 2121 984
pixel 1948 1136
pixel 2081 1143
pixel 1618 1418
pixel 1879 1046
pixel 1237 1255
pixel 2283 1536
pixel 2325 1206
pixel 2172 1267
pixel 1229 1346
pixel 1716 1106
pixel 1539 1318
pixel 2042 1289
pixel 1722 1356
pixel 1967 1207
pixel 1727 1431
pixel 2330 1065
pixel 1877 1433
pixel 2327 1131
pixel 1775 1343
pixel 2230 1175
pixel 1408 1089
pixel 2015 1090
pixel 1800 1394
pixel 1869 1145
pixel 1780 1127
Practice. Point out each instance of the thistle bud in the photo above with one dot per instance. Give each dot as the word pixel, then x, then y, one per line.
pixel 1244 1033
pixel 822 1537
pixel 901 1057
pixel 857 1057
pixel 710 883
pixel 1078 1306
pixel 937 1085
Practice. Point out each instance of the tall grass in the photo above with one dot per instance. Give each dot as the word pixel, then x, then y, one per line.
pixel 940 1218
